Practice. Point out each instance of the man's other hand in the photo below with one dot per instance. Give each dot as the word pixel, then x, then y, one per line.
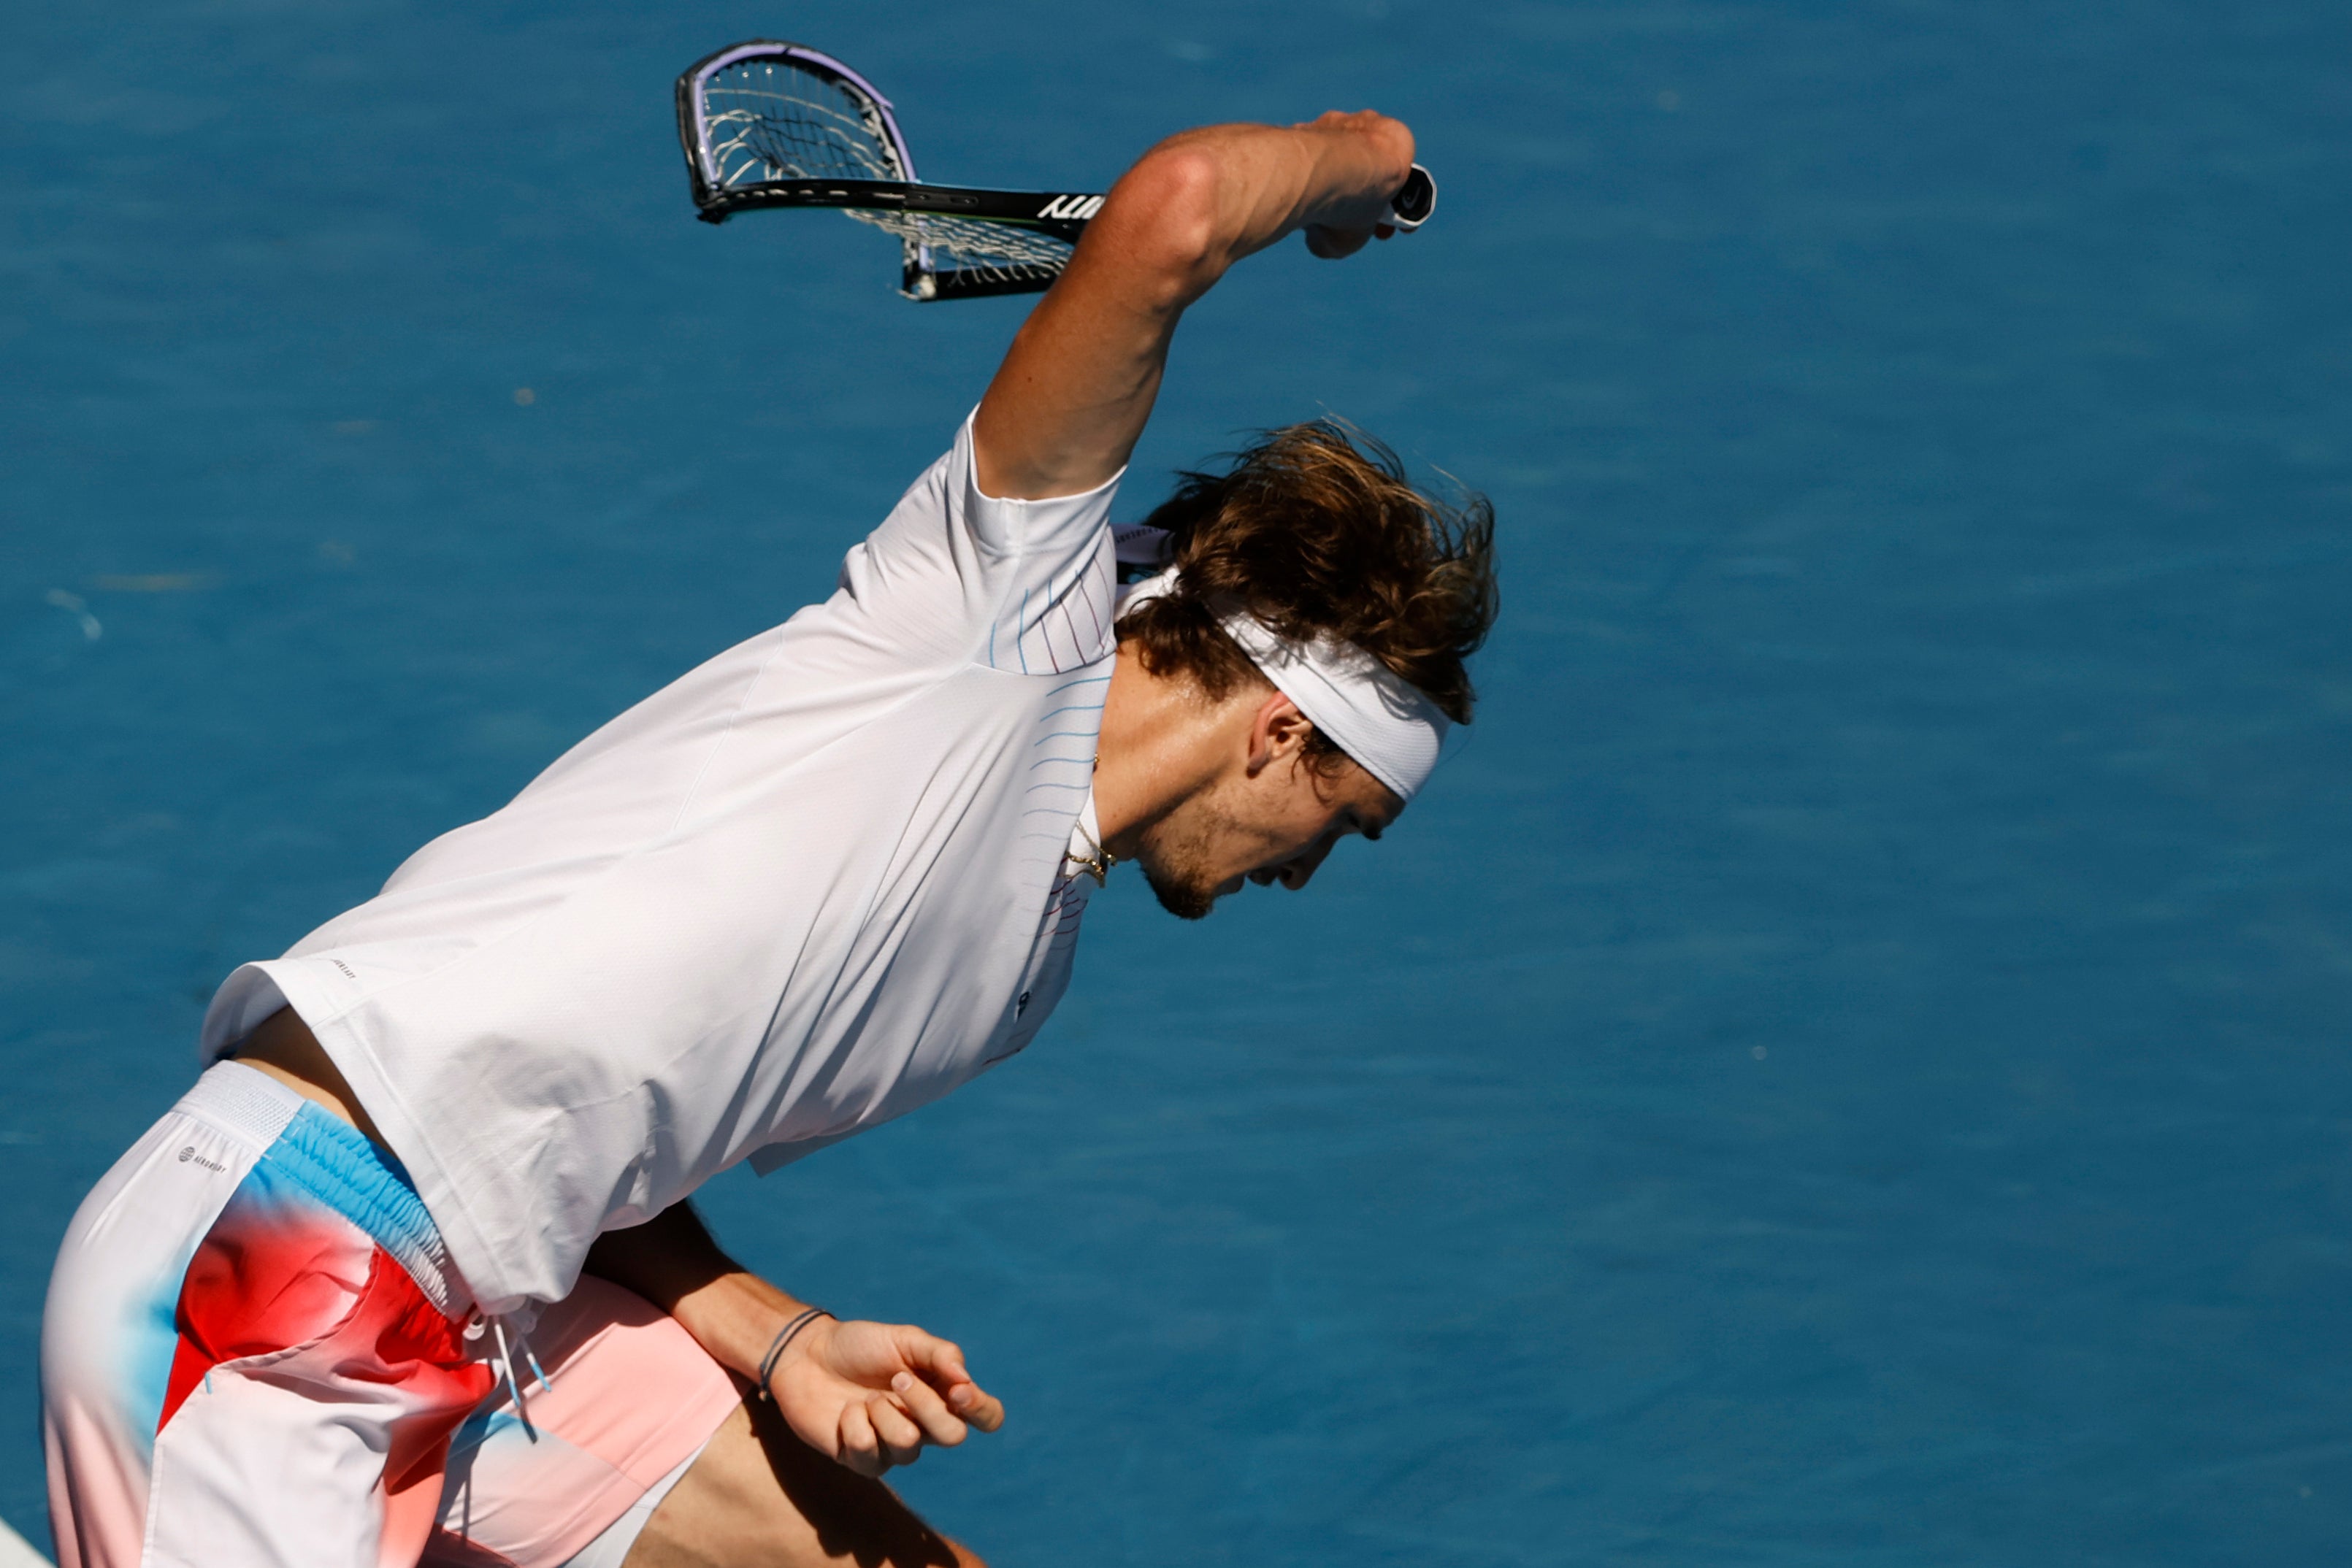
pixel 872 1396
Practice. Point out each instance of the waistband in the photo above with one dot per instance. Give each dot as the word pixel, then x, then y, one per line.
pixel 334 1163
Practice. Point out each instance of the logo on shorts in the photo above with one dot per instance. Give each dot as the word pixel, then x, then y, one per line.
pixel 189 1155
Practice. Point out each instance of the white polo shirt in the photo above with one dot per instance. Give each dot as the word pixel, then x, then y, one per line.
pixel 817 882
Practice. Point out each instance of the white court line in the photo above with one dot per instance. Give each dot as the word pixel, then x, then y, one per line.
pixel 15 1552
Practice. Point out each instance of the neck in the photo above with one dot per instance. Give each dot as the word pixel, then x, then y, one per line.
pixel 1162 742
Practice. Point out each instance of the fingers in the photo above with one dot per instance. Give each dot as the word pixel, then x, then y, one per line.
pixel 939 1363
pixel 901 1439
pixel 856 1445
pixel 931 1399
pixel 937 1366
pixel 922 1402
pixel 978 1408
pixel 876 1434
pixel 1332 244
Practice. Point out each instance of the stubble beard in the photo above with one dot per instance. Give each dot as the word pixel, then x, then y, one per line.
pixel 1175 857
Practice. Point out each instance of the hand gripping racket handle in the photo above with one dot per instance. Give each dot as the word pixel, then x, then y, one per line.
pixel 1415 201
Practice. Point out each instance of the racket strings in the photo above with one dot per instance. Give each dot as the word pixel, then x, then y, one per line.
pixel 995 251
pixel 766 120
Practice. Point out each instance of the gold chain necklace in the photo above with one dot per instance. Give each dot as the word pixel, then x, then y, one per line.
pixel 1095 865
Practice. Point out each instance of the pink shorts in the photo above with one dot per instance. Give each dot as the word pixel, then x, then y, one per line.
pixel 255 1351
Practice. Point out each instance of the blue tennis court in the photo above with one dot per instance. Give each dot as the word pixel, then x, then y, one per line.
pixel 1848 1067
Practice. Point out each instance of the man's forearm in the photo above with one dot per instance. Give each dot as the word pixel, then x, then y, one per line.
pixel 870 1395
pixel 673 1262
pixel 1078 385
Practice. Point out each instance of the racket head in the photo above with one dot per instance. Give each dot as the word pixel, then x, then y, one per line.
pixel 762 119
pixel 766 109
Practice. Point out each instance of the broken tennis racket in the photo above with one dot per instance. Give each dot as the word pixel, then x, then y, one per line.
pixel 771 124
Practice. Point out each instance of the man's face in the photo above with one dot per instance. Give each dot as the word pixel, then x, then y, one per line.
pixel 1268 824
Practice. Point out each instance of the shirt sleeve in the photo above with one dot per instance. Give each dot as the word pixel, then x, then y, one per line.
pixel 1023 586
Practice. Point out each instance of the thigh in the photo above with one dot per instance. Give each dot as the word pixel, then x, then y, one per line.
pixel 758 1495
pixel 629 1399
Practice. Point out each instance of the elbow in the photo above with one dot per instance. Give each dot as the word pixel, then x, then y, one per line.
pixel 1167 214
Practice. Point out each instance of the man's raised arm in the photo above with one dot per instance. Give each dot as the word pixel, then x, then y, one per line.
pixel 1076 386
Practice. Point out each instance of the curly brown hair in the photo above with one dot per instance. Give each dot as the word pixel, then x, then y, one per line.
pixel 1315 532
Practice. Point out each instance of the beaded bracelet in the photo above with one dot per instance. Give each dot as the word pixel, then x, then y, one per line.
pixel 776 1346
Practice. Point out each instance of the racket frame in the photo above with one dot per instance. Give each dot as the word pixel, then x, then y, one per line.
pixel 1063 214
pixel 1060 214
pixel 1048 211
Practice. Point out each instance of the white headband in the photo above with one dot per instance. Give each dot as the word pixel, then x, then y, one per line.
pixel 1392 730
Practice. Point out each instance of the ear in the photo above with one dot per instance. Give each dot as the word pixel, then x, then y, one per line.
pixel 1277 730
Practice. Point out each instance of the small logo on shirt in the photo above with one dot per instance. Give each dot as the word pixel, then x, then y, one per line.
pixel 1021 1006
pixel 189 1157
pixel 346 969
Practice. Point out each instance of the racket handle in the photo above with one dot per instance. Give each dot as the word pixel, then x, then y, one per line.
pixel 1415 201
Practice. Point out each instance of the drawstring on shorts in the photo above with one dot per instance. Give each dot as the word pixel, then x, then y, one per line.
pixel 504 1362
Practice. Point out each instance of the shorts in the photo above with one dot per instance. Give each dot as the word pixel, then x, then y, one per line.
pixel 255 1351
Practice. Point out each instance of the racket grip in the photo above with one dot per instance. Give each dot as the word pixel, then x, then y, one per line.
pixel 1415 201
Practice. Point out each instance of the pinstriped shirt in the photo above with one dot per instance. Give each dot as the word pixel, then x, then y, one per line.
pixel 813 884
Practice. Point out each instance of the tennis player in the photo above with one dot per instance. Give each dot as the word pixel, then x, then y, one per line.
pixel 409 1275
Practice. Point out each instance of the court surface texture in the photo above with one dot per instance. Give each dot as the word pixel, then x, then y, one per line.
pixel 1847 1068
